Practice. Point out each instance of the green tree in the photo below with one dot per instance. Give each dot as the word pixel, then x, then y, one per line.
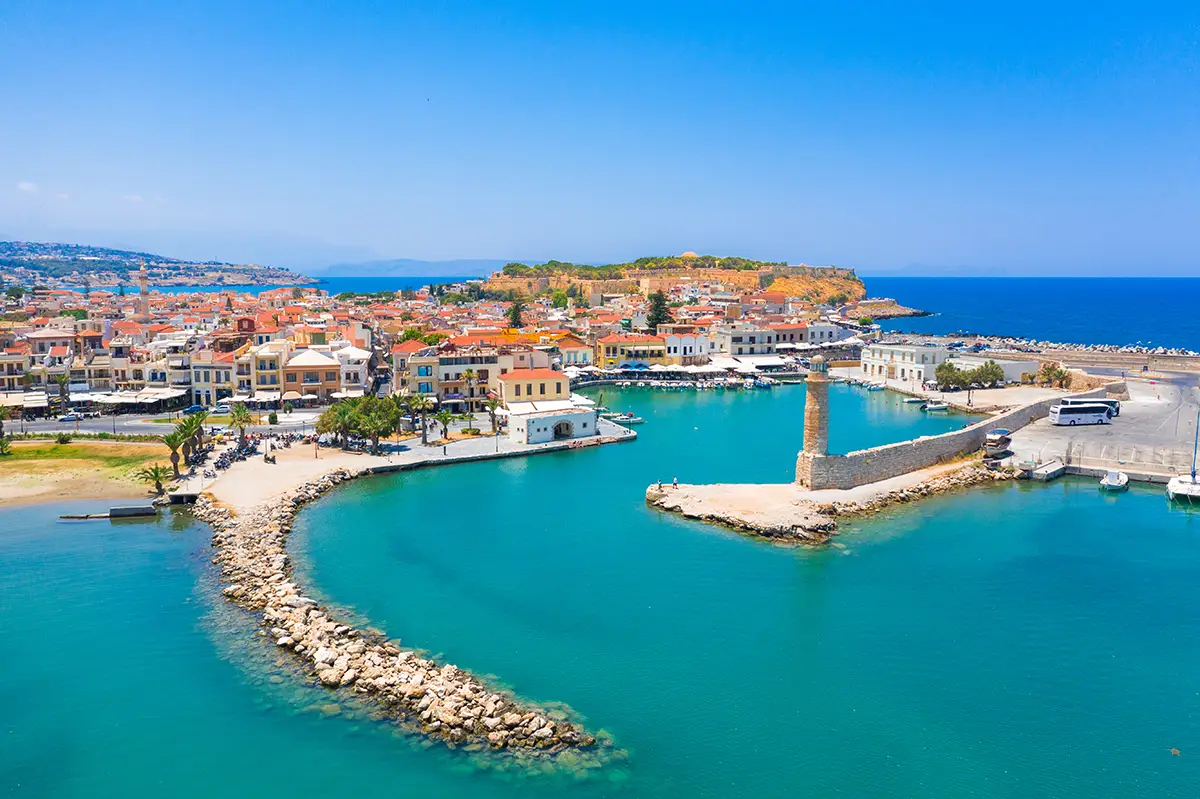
pixel 949 376
pixel 866 321
pixel 14 293
pixel 660 311
pixel 155 475
pixel 444 417
pixel 492 405
pixel 5 445
pixel 64 389
pixel 558 299
pixel 240 419
pixel 174 440
pixel 988 375
pixel 514 314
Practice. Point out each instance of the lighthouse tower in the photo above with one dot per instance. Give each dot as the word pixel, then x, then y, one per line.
pixel 816 408
pixel 143 304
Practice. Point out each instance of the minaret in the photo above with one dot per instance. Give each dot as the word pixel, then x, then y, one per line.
pixel 816 408
pixel 143 314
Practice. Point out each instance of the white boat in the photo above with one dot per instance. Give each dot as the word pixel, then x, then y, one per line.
pixel 627 418
pixel 914 400
pixel 932 405
pixel 1185 488
pixel 1114 481
pixel 997 441
pixel 875 387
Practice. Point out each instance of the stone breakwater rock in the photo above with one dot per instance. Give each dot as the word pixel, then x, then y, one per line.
pixel 969 475
pixel 440 700
pixel 796 522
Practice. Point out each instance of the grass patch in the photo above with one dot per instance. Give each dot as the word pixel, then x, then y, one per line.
pixel 109 456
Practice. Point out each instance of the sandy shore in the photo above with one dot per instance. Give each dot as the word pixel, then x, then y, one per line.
pixel 102 470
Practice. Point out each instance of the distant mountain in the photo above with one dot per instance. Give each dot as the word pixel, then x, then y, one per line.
pixel 410 267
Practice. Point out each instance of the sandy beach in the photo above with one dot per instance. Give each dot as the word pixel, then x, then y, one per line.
pixel 80 470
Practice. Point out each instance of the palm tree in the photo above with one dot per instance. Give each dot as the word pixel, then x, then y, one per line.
pixel 184 428
pixel 422 405
pixel 1047 373
pixel 156 475
pixel 239 417
pixel 444 418
pixel 174 440
pixel 469 377
pixel 376 424
pixel 64 390
pixel 492 405
pixel 344 420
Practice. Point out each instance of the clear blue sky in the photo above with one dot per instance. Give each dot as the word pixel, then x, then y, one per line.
pixel 1034 136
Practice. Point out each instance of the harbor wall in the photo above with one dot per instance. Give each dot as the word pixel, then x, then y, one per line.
pixel 892 460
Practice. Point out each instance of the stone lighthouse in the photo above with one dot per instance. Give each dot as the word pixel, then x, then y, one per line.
pixel 143 303
pixel 816 408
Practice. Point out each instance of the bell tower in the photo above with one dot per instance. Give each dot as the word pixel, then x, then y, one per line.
pixel 143 303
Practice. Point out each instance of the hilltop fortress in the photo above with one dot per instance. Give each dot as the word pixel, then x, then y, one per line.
pixel 647 275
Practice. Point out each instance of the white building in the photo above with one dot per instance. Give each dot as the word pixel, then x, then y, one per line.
pixel 743 338
pixel 552 420
pixel 1013 370
pixel 906 362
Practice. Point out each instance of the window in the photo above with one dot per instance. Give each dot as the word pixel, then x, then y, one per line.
pixel 290 377
pixel 529 389
pixel 517 386
pixel 424 371
pixel 331 376
pixel 541 388
pixel 424 388
pixel 558 388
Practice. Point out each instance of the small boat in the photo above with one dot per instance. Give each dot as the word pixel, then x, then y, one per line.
pixel 1114 481
pixel 875 387
pixel 1185 488
pixel 997 441
pixel 932 406
pixel 914 400
pixel 627 418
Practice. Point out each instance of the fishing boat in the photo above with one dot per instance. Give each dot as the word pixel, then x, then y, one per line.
pixel 1114 481
pixel 1185 488
pixel 933 405
pixel 627 418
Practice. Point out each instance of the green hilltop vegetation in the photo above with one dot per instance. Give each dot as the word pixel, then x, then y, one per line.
pixel 617 271
pixel 59 260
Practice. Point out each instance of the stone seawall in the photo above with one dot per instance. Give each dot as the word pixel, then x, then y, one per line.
pixel 817 472
pixel 438 700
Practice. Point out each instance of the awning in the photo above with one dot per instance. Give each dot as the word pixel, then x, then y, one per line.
pixel 309 397
pixel 581 401
pixel 724 362
pixel 240 398
pixel 291 395
pixel 12 400
pixel 265 396
pixel 762 360
pixel 35 400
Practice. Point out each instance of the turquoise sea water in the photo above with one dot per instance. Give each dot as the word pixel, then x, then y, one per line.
pixel 1014 641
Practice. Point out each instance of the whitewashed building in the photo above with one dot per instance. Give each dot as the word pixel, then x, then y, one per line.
pixel 552 420
pixel 906 362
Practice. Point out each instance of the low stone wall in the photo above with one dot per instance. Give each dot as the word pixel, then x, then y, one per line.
pixel 891 460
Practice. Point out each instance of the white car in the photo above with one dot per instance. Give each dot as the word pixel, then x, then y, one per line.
pixel 221 409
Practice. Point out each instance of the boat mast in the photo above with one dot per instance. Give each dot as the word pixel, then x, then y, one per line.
pixel 1195 447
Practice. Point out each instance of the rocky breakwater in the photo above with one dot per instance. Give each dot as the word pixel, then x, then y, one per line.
pixel 769 511
pixel 439 700
pixel 970 474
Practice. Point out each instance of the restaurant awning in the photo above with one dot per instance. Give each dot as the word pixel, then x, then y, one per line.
pixel 265 396
pixel 291 395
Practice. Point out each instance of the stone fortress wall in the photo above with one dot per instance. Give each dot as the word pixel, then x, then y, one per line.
pixel 892 460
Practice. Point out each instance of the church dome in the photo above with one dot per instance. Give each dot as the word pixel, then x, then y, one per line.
pixel 689 254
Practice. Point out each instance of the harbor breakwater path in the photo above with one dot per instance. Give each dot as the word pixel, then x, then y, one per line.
pixel 439 700
pixel 251 510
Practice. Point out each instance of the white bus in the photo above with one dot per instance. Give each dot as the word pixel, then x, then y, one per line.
pixel 1096 413
pixel 1114 405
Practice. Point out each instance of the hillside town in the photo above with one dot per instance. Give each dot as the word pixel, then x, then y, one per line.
pixel 299 347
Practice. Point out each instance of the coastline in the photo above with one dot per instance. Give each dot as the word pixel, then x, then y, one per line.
pixel 438 700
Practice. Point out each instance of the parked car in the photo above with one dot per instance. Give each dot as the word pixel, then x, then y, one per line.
pixel 222 409
pixel 89 414
pixel 71 417
pixel 193 409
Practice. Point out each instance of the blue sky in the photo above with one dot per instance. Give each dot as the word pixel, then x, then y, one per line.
pixel 908 136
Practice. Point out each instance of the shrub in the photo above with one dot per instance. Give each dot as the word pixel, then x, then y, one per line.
pixel 273 418
pixel 472 431
pixel 62 438
pixel 5 445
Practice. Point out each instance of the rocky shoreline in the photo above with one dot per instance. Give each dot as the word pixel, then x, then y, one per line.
pixel 782 514
pixel 438 700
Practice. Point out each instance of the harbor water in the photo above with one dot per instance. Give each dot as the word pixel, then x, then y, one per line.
pixel 1010 641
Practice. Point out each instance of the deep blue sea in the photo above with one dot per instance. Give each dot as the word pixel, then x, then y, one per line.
pixel 1120 310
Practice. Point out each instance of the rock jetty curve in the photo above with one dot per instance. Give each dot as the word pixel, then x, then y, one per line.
pixel 438 700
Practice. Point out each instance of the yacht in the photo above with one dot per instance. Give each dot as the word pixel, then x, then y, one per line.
pixel 1185 488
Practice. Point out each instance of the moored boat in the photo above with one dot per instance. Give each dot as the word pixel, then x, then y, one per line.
pixel 627 418
pixel 933 405
pixel 1114 481
pixel 915 400
pixel 1185 488
pixel 997 441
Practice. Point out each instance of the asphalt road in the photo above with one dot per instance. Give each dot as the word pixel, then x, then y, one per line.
pixel 141 424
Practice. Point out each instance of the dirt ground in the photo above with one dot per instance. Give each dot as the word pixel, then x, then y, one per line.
pixel 43 471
